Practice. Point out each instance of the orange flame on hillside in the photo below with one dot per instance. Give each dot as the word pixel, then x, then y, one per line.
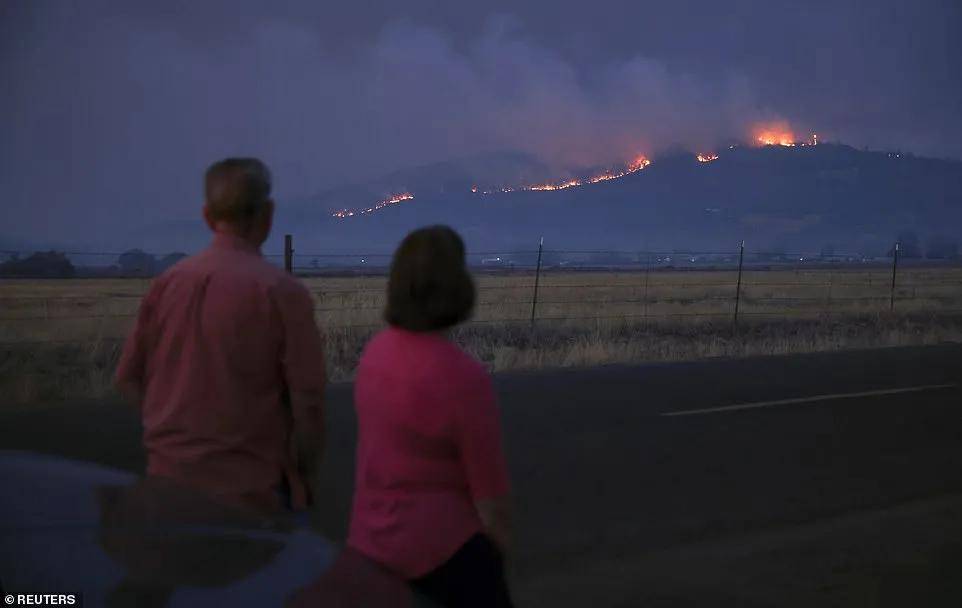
pixel 632 167
pixel 706 158
pixel 392 200
pixel 774 134
pixel 638 164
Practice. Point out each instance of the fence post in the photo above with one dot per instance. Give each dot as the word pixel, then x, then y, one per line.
pixel 738 284
pixel 895 267
pixel 831 283
pixel 647 272
pixel 537 278
pixel 289 253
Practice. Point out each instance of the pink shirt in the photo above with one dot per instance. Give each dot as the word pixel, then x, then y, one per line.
pixel 429 446
pixel 218 340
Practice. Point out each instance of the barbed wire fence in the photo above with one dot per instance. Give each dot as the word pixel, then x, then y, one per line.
pixel 528 288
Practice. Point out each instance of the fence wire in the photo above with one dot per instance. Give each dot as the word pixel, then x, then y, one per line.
pixel 583 286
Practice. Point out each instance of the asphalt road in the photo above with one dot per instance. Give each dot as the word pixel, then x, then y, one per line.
pixel 827 479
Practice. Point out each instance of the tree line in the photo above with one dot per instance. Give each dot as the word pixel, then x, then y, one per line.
pixel 57 264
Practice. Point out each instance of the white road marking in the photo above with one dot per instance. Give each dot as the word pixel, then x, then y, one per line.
pixel 812 399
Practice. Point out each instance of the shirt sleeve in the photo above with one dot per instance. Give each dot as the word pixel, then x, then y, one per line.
pixel 302 355
pixel 132 366
pixel 480 442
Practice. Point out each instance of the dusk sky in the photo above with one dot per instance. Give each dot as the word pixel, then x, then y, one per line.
pixel 111 110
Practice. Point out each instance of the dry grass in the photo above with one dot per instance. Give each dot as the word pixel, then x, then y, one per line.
pixel 60 338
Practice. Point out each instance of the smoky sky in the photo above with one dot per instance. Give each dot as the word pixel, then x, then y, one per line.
pixel 111 110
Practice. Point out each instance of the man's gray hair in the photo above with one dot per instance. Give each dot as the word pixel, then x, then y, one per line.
pixel 237 189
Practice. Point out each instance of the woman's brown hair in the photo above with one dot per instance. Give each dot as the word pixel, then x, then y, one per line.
pixel 429 287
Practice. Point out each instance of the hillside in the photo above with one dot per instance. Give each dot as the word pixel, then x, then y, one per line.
pixel 802 198
pixel 773 196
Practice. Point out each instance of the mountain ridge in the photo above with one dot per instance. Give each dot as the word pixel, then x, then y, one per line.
pixel 775 196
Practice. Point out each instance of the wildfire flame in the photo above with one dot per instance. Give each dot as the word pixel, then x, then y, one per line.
pixel 632 167
pixel 772 139
pixel 638 164
pixel 548 187
pixel 771 134
pixel 774 134
pixel 393 200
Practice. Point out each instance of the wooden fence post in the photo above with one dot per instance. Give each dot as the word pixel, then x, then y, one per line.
pixel 895 267
pixel 738 284
pixel 289 253
pixel 537 278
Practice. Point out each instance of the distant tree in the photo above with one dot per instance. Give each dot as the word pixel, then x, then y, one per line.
pixel 43 264
pixel 942 248
pixel 137 263
pixel 169 260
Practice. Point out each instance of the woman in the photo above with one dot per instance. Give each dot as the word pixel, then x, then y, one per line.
pixel 431 488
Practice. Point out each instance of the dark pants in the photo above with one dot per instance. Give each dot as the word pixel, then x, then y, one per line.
pixel 474 576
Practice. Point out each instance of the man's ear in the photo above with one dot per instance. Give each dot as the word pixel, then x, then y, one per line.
pixel 209 219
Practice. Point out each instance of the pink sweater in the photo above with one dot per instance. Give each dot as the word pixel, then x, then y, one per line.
pixel 429 446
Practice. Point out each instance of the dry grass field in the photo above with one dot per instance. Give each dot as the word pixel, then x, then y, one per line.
pixel 59 339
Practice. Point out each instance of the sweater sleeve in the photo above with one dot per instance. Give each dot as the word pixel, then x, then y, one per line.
pixel 479 437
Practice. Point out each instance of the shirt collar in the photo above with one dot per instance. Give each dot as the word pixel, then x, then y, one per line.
pixel 224 240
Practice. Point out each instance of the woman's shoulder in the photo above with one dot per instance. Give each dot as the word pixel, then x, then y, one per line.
pixel 378 345
pixel 461 366
pixel 430 353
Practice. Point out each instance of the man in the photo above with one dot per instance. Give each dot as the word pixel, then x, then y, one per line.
pixel 226 360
